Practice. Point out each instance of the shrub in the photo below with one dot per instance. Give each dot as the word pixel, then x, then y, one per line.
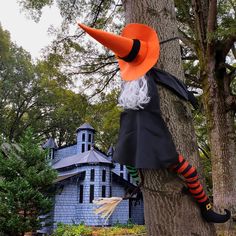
pixel 73 230
pixel 82 230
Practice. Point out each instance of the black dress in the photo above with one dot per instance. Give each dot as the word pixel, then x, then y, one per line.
pixel 144 140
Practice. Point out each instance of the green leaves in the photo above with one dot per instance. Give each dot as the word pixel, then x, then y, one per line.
pixel 34 7
pixel 104 117
pixel 36 96
pixel 25 181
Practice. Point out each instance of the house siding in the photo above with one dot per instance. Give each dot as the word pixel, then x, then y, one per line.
pixel 69 210
pixel 137 209
pixel 69 197
pixel 121 213
pixel 65 204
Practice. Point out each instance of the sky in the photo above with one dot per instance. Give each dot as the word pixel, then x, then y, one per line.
pixel 24 31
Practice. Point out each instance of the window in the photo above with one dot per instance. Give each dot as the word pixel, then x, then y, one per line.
pixel 83 137
pixel 89 146
pixel 122 175
pixel 90 137
pixel 92 172
pixel 103 175
pixel 103 191
pixel 128 177
pixel 83 147
pixel 121 167
pixel 91 195
pixel 81 193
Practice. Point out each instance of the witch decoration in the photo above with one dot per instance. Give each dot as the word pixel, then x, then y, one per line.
pixel 144 140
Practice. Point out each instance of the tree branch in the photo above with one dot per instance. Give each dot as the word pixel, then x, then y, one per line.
pixel 196 81
pixel 200 24
pixel 186 40
pixel 102 65
pixel 228 44
pixel 190 57
pixel 106 83
pixel 233 49
pixel 228 66
pixel 98 10
pixel 230 102
pixel 212 14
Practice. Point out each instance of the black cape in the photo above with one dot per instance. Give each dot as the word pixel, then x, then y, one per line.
pixel 144 140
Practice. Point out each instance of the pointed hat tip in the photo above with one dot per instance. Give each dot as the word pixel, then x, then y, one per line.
pixel 81 25
pixel 85 27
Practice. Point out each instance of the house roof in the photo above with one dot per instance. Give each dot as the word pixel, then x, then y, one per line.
pixel 110 151
pixel 50 143
pixel 85 126
pixel 122 181
pixel 64 177
pixel 90 157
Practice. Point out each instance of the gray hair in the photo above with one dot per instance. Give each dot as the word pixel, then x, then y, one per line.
pixel 134 94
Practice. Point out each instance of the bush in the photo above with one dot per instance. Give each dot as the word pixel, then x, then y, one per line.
pixel 73 230
pixel 82 230
pixel 113 231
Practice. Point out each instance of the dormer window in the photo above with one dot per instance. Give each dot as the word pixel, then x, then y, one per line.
pixel 83 137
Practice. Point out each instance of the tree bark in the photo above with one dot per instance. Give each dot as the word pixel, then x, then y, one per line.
pixel 220 118
pixel 168 211
pixel 221 131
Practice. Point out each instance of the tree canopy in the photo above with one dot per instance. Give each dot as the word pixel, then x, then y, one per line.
pixel 25 186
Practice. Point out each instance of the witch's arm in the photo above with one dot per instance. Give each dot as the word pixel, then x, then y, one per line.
pixel 172 83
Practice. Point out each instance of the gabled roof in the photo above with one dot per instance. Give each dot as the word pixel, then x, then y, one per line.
pixel 122 181
pixel 90 157
pixel 85 126
pixel 50 143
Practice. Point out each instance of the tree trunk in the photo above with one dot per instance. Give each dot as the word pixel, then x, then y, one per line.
pixel 220 117
pixel 168 211
pixel 221 132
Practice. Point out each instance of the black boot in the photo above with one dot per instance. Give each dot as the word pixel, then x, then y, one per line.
pixel 210 216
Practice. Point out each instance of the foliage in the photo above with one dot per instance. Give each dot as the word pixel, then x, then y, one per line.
pixel 41 97
pixel 36 95
pixel 72 230
pixel 35 7
pixel 135 230
pixel 25 186
pixel 77 230
pixel 82 59
pixel 97 67
pixel 203 146
pixel 104 117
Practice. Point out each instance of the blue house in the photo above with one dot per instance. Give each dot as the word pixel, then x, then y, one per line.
pixel 84 174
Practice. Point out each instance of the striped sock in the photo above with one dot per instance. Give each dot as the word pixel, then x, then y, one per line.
pixel 133 173
pixel 192 179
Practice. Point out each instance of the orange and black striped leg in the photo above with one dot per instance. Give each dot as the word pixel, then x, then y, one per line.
pixel 196 189
pixel 192 180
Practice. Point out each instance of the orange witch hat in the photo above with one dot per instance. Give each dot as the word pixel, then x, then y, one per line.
pixel 137 48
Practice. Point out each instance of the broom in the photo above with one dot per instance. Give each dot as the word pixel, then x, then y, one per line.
pixel 106 206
